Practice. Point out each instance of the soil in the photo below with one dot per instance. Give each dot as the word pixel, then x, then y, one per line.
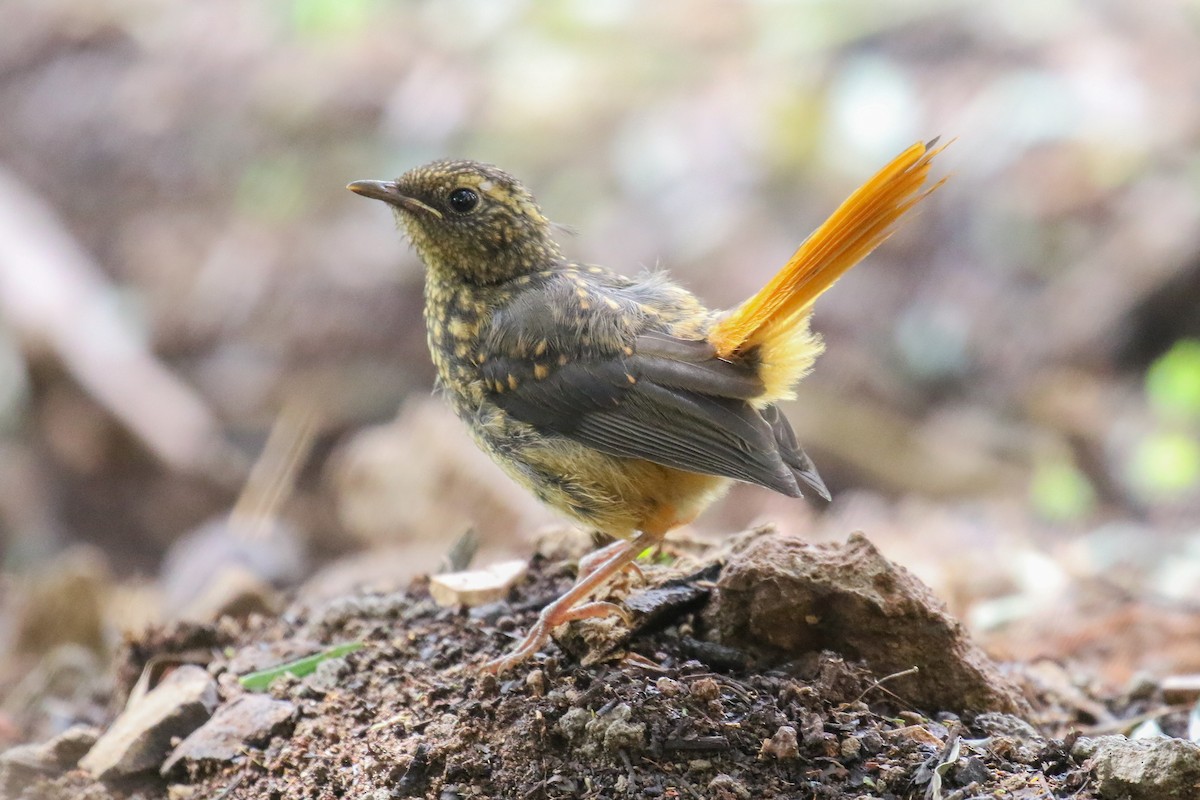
pixel 665 715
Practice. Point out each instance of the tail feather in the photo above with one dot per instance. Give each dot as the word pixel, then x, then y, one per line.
pixel 776 317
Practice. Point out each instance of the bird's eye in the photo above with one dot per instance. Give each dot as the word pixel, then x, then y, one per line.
pixel 463 200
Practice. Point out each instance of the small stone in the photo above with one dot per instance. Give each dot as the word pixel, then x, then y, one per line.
pixel 968 771
pixel 21 765
pixel 65 750
pixel 727 787
pixel 573 724
pixel 1144 769
pixel 871 742
pixel 1011 737
pixel 614 731
pixel 476 587
pixel 535 681
pixel 658 606
pixel 812 729
pixel 140 738
pixel 625 736
pixel 783 744
pixel 72 744
pixel 668 687
pixel 246 721
pixel 851 748
pixel 918 734
pixel 706 690
pixel 492 614
pixel 830 747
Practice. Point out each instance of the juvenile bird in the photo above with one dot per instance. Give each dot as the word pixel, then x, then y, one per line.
pixel 622 402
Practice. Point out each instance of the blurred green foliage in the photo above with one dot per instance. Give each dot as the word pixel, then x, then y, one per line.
pixel 1060 492
pixel 331 17
pixel 1173 382
pixel 1165 463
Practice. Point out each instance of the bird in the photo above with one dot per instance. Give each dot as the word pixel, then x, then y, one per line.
pixel 622 402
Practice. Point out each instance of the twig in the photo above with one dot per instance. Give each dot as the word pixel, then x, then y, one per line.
pixel 273 477
pixel 878 683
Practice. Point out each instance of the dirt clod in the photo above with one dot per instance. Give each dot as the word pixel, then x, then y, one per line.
pixel 409 715
pixel 614 732
pixel 782 745
pixel 727 787
pixel 706 690
pixel 850 748
pixel 783 597
pixel 1144 769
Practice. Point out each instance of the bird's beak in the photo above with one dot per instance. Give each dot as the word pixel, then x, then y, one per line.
pixel 389 192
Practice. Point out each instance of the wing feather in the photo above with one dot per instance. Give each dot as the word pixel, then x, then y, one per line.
pixel 671 402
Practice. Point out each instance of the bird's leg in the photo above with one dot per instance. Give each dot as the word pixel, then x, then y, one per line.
pixel 595 559
pixel 567 608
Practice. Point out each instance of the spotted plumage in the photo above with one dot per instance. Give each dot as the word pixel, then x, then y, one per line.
pixel 622 402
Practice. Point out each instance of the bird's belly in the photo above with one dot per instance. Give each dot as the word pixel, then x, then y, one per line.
pixel 617 495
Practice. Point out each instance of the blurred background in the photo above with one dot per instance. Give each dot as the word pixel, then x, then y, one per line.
pixel 213 377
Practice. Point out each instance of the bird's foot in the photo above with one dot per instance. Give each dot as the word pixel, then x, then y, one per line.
pixel 597 608
pixel 538 635
pixel 570 607
pixel 547 621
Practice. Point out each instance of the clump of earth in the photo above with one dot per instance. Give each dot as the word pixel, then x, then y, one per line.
pixel 769 669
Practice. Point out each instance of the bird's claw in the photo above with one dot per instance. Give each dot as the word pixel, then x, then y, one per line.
pixel 547 621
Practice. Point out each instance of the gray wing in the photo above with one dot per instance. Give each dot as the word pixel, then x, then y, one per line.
pixel 672 402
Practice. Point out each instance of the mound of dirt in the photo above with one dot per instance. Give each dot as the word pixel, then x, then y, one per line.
pixel 663 712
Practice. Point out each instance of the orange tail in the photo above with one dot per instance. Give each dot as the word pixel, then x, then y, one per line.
pixel 778 313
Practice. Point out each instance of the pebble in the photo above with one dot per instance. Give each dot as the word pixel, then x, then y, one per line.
pixel 1142 769
pixel 247 720
pixel 727 787
pixel 783 744
pixel 140 738
pixel 706 690
pixel 21 765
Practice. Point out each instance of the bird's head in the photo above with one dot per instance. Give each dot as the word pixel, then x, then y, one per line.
pixel 469 222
